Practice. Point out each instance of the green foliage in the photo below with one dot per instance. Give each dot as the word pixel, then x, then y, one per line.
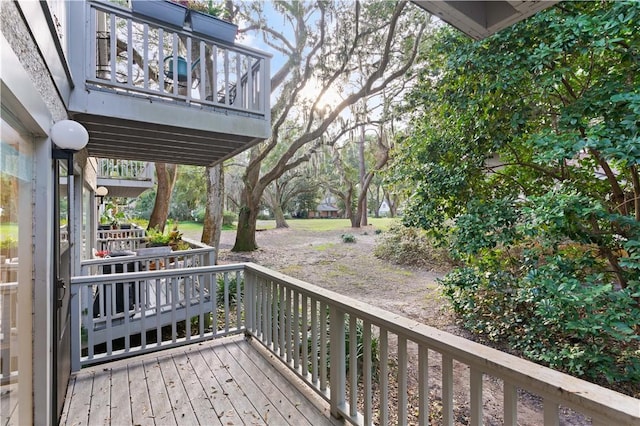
pixel 228 218
pixel 348 238
pixel 232 289
pixel 156 238
pixel 409 246
pixel 523 157
pixel 8 243
pixel 375 348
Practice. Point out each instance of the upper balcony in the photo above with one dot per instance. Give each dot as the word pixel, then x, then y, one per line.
pixel 149 91
pixel 125 178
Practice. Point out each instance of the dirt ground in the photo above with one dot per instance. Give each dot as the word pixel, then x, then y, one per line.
pixel 323 259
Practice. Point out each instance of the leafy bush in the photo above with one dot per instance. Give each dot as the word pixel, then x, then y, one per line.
pixel 560 310
pixel 228 218
pixel 409 246
pixel 348 238
pixel 232 283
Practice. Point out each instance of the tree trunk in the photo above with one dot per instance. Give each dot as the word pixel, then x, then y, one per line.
pixel 246 233
pixel 362 204
pixel 166 175
pixel 248 216
pixel 281 222
pixel 212 228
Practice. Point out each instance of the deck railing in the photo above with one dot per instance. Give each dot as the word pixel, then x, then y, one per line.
pixel 312 330
pixel 130 54
pixel 120 239
pixel 124 169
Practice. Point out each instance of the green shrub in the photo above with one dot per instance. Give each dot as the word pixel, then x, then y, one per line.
pixel 232 283
pixel 560 310
pixel 228 218
pixel 348 238
pixel 409 246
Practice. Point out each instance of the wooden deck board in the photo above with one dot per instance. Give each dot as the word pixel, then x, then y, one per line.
pixel 225 381
pixel 202 405
pixel 217 397
pixel 254 364
pixel 120 397
pixel 264 406
pixel 100 412
pixel 160 403
pixel 140 404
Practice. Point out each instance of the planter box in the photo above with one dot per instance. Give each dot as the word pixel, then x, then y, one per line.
pixel 162 11
pixel 154 251
pixel 213 27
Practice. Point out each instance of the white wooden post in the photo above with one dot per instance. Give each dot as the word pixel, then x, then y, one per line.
pixel 338 370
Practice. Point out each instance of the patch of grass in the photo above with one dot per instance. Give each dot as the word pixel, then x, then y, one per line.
pixel 324 247
pixel 8 230
pixel 291 269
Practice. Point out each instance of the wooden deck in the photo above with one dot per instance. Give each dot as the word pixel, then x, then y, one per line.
pixel 226 381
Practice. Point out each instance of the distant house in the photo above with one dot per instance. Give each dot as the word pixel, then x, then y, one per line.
pixel 384 209
pixel 326 209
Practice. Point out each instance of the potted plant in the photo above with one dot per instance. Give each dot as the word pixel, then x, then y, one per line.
pixel 165 11
pixel 204 18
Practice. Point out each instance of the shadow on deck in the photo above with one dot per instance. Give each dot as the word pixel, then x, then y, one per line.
pixel 223 381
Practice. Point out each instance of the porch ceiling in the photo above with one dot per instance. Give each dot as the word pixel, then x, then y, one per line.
pixel 480 19
pixel 111 137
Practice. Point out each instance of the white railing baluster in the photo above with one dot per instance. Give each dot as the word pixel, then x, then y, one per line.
pixel 189 68
pixel 338 356
pixel 76 323
pixel 353 366
pixel 475 390
pixel 304 338
pixel 145 59
pixel 324 333
pixel 125 307
pixel 174 305
pixel 402 380
pixel 186 300
pixel 367 370
pixel 510 404
pixel 423 385
pixel 384 377
pixel 129 53
pixel 226 302
pixel 90 321
pixel 314 341
pixel 113 43
pixel 288 326
pixel 296 330
pixel 108 301
pixel 447 390
pixel 281 322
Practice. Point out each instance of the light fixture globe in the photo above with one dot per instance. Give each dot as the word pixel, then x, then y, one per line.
pixel 69 135
pixel 101 191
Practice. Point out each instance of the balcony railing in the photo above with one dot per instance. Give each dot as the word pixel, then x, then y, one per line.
pixel 110 168
pixel 307 328
pixel 120 239
pixel 129 54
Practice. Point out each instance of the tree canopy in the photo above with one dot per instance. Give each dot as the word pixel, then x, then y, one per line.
pixel 523 155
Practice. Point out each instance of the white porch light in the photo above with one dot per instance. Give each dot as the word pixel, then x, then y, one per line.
pixel 101 191
pixel 68 137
